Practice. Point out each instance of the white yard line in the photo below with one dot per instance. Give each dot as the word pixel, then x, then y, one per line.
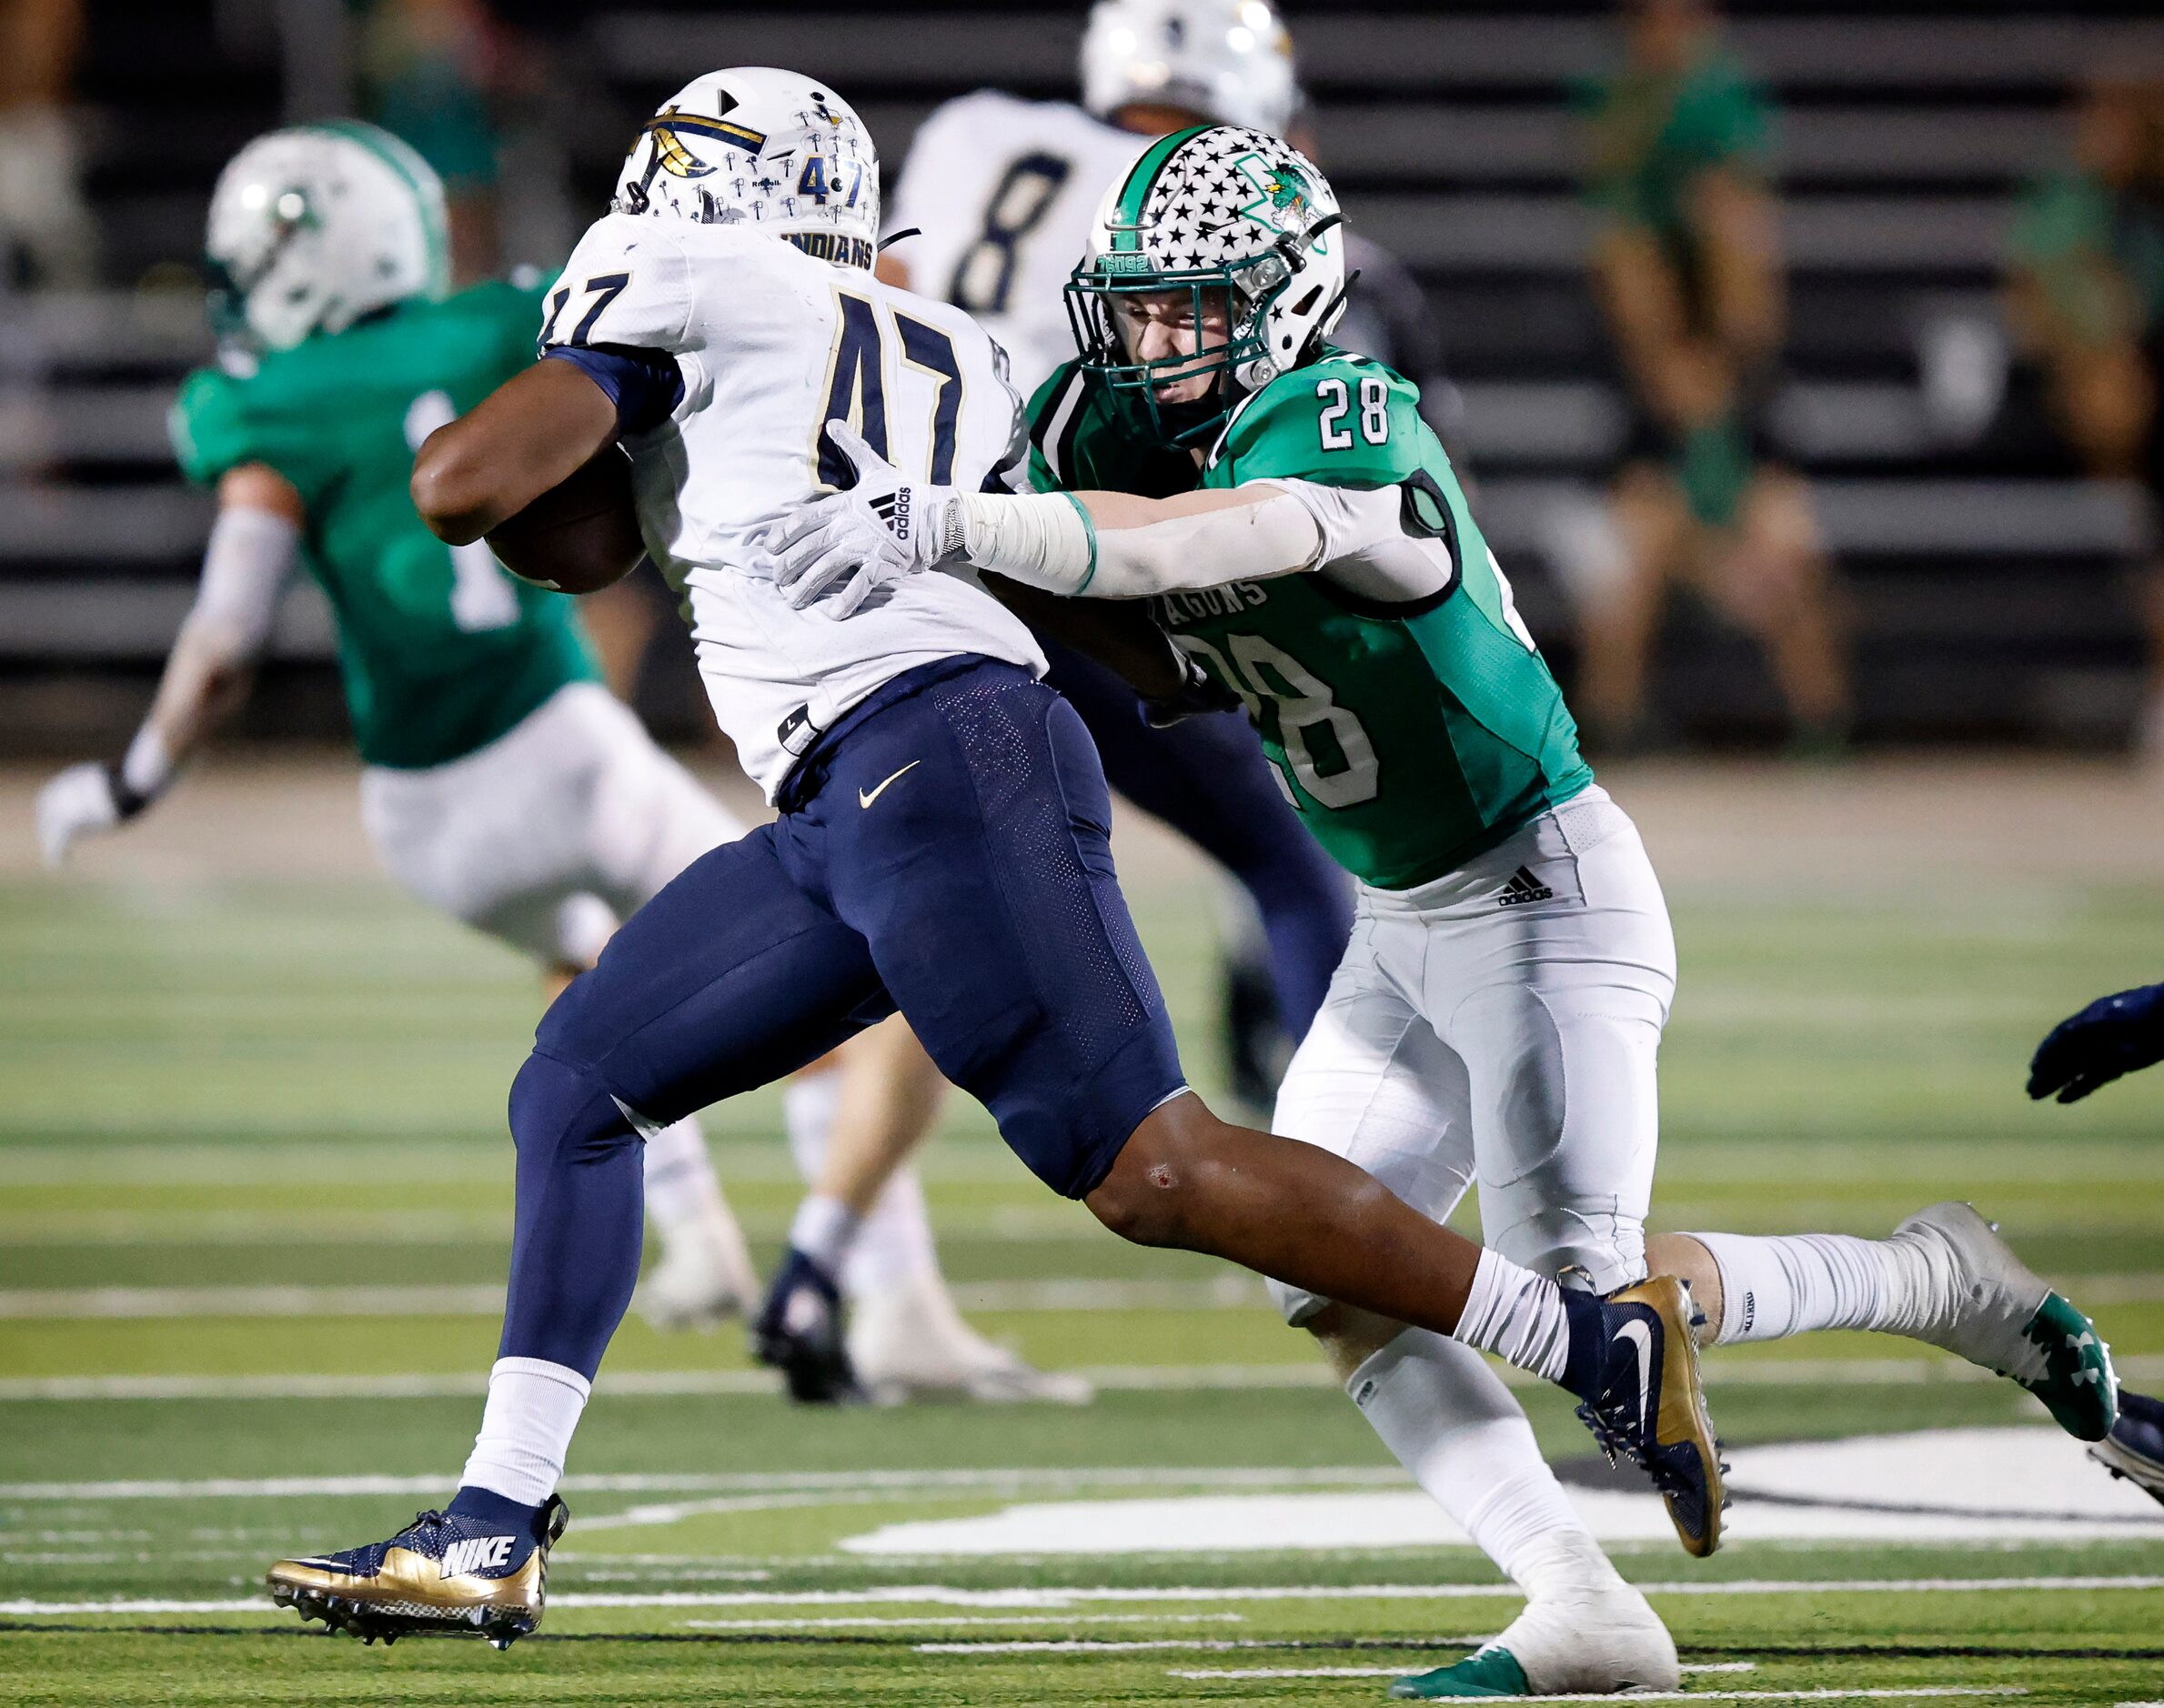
pixel 948 1595
pixel 1723 1371
pixel 946 1621
pixel 1629 1695
pixel 971 1480
pixel 1083 1645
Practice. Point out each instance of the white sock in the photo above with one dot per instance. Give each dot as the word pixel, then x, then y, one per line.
pixel 526 1428
pixel 1517 1315
pixel 893 1243
pixel 1791 1283
pixel 823 1230
pixel 681 1192
pixel 1454 1426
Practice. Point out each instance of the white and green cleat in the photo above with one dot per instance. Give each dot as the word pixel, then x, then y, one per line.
pixel 1584 1633
pixel 1994 1311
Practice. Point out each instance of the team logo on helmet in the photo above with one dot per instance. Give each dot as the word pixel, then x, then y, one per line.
pixel 671 124
pixel 1284 201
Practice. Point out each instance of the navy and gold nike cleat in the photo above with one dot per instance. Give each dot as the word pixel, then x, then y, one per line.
pixel 2135 1448
pixel 1644 1401
pixel 799 1333
pixel 446 1574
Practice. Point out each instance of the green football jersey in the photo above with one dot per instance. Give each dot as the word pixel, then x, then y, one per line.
pixel 1411 736
pixel 441 649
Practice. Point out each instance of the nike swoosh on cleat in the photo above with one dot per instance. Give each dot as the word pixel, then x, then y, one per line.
pixel 1640 1336
pixel 864 799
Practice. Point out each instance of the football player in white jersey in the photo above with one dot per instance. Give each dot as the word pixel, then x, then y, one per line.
pixel 943 849
pixel 1000 192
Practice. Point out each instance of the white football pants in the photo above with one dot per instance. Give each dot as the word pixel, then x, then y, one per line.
pixel 1502 1024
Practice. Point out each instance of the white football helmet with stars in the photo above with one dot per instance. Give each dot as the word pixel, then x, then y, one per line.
pixel 1219 208
pixel 757 147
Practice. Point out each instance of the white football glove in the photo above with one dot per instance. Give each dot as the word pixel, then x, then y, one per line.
pixel 78 803
pixel 835 551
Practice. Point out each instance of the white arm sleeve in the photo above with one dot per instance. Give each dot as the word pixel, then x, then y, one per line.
pixel 1367 549
pixel 250 558
pixel 1049 541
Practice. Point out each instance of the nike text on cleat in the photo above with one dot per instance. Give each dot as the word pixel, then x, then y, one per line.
pixel 799 1333
pixel 2135 1448
pixel 1646 1404
pixel 443 1575
pixel 1993 1310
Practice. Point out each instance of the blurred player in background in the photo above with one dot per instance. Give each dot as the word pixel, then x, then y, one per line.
pixel 2085 303
pixel 999 192
pixel 1688 267
pixel 501 783
pixel 1498 1014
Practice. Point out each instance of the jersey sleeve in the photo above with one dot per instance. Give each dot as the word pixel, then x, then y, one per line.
pixel 210 427
pixel 924 197
pixel 627 284
pixel 1342 422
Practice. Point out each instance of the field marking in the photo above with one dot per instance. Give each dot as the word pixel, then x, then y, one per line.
pixel 1231 1291
pixel 741 1482
pixel 949 1595
pixel 1084 1645
pixel 1115 1378
pixel 947 1621
pixel 1829 1694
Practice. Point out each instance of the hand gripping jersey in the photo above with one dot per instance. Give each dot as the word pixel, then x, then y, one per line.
pixel 441 650
pixel 1004 190
pixel 1410 736
pixel 770 345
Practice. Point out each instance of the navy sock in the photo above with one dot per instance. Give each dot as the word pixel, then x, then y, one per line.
pixel 487 1507
pixel 1585 1357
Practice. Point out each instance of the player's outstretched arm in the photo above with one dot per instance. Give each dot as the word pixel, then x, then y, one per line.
pixel 253 547
pixel 2112 1036
pixel 1098 544
pixel 533 432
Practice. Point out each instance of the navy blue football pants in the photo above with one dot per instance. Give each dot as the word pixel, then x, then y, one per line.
pixel 943 849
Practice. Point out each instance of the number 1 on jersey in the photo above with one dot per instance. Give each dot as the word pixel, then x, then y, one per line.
pixel 482 597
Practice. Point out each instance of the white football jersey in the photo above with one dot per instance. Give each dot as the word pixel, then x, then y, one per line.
pixel 1004 191
pixel 771 345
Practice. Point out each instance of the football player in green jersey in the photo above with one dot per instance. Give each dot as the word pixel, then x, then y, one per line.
pixel 501 782
pixel 1297 528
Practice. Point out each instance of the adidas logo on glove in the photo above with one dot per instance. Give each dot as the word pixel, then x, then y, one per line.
pixel 893 510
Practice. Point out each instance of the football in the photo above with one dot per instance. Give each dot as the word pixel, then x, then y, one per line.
pixel 579 535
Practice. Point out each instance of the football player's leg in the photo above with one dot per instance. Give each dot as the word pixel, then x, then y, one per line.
pixel 863 1231
pixel 1945 1278
pixel 730 978
pixel 647 819
pixel 968 841
pixel 1372 1081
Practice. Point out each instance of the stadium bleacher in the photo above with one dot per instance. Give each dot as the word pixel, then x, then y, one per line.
pixel 1985 579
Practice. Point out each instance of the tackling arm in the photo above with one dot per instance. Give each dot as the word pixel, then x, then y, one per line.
pixel 254 546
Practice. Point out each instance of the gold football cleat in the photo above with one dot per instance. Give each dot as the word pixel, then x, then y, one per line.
pixel 445 1574
pixel 1650 1405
